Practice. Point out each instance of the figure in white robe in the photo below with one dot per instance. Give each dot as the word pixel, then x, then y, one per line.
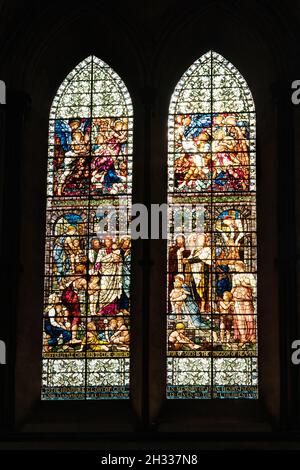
pixel 109 262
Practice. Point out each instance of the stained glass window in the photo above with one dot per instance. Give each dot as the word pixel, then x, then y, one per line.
pixel 211 305
pixel 86 332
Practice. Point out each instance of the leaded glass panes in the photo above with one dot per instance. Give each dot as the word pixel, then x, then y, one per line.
pixel 211 305
pixel 86 335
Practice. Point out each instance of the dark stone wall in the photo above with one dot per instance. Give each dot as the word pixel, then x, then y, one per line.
pixel 149 44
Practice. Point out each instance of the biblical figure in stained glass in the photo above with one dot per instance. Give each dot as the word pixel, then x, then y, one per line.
pixel 211 326
pixel 86 342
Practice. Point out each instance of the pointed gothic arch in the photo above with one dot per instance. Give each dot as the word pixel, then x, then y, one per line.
pixel 212 290
pixel 86 338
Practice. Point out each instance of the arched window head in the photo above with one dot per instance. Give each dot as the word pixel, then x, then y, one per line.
pixel 86 334
pixel 211 305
